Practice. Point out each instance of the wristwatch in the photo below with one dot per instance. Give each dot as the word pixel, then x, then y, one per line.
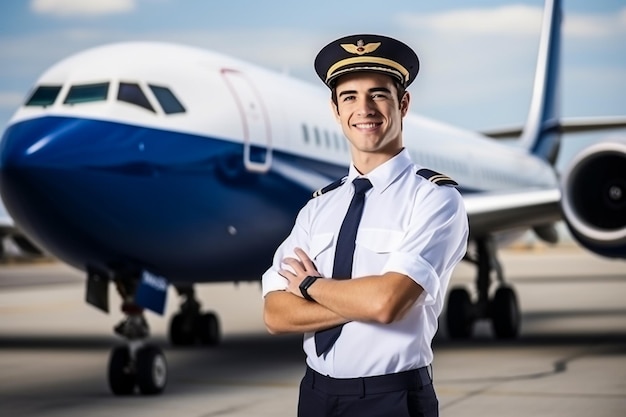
pixel 304 286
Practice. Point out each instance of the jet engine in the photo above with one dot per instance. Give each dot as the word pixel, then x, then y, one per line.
pixel 594 198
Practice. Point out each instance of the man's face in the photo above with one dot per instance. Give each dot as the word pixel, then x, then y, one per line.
pixel 369 112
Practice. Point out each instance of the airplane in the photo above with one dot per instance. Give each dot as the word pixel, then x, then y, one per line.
pixel 148 164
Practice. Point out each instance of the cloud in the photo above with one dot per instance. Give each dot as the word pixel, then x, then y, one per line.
pixel 84 8
pixel 514 20
pixel 508 20
pixel 595 25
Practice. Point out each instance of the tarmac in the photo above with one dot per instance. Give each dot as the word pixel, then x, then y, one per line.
pixel 570 359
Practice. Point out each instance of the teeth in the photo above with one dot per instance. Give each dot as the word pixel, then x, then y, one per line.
pixel 366 125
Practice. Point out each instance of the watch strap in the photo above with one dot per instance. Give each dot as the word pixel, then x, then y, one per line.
pixel 304 287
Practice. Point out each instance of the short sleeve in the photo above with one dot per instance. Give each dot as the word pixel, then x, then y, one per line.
pixel 271 280
pixel 435 241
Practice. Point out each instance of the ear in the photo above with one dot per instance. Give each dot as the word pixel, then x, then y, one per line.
pixel 404 103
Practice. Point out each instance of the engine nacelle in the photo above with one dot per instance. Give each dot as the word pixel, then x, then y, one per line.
pixel 594 198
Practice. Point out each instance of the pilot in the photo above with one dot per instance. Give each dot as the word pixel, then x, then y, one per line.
pixel 364 271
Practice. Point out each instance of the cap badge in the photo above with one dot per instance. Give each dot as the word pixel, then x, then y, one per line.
pixel 360 48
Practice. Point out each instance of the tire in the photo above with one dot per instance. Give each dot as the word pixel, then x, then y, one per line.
pixel 505 314
pixel 121 375
pixel 459 316
pixel 181 333
pixel 208 329
pixel 151 370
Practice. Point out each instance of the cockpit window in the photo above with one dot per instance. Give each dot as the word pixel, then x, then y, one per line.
pixel 87 92
pixel 44 95
pixel 131 93
pixel 167 99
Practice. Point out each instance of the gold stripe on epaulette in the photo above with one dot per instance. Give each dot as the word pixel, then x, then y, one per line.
pixel 442 180
pixel 440 177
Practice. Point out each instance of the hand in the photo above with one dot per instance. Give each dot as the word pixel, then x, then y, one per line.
pixel 301 268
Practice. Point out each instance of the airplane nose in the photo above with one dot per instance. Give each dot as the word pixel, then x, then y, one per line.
pixel 38 170
pixel 39 162
pixel 50 143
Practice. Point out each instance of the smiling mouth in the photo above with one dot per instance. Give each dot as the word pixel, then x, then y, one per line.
pixel 366 125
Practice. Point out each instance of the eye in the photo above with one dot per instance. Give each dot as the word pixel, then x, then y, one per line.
pixel 348 98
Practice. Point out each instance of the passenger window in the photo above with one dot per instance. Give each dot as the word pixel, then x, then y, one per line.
pixel 131 93
pixel 86 93
pixel 44 96
pixel 317 136
pixel 337 140
pixel 167 99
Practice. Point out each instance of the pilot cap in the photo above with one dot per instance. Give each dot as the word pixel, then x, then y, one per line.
pixel 374 53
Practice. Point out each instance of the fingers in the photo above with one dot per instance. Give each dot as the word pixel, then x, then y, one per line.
pixel 306 262
pixel 295 270
pixel 296 266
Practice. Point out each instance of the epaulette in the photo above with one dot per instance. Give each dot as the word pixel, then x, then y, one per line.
pixel 330 187
pixel 436 177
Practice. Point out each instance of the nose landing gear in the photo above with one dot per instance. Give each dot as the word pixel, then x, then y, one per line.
pixel 137 364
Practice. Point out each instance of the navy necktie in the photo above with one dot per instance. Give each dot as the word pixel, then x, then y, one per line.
pixel 344 254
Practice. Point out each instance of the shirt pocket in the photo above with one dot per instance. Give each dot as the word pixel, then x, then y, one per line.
pixel 319 243
pixel 379 240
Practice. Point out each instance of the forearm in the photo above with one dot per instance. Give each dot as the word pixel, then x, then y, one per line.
pixel 379 299
pixel 284 312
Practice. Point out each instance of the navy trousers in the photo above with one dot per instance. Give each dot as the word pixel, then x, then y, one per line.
pixel 404 394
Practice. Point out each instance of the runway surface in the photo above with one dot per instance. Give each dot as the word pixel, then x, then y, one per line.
pixel 569 361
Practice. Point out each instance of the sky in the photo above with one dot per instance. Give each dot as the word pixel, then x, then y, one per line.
pixel 477 56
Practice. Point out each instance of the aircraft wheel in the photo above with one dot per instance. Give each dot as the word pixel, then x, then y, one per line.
pixel 208 329
pixel 151 370
pixel 121 375
pixel 459 318
pixel 181 331
pixel 505 314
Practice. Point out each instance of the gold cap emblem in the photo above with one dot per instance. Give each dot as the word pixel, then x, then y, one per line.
pixel 360 48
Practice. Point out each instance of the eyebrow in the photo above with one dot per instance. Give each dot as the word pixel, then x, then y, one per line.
pixel 371 90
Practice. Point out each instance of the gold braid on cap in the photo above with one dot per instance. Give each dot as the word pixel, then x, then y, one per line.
pixel 404 74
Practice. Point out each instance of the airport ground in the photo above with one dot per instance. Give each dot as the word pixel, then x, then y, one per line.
pixel 570 359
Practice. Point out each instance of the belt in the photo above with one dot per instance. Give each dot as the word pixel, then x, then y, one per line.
pixel 407 380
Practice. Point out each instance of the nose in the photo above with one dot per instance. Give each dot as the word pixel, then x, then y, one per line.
pixel 366 107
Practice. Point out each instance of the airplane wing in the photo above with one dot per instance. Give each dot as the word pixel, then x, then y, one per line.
pixel 491 212
pixel 6 222
pixel 488 212
pixel 306 178
pixel 10 230
pixel 566 125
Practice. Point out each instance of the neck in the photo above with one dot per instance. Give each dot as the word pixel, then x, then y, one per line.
pixel 365 162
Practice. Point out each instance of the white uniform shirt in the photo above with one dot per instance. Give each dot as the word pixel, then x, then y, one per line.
pixel 410 226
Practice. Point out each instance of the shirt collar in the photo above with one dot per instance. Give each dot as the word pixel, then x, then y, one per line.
pixel 382 176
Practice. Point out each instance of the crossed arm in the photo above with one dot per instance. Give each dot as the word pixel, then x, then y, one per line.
pixel 376 298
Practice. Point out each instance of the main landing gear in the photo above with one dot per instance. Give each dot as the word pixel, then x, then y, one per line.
pixel 190 325
pixel 502 309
